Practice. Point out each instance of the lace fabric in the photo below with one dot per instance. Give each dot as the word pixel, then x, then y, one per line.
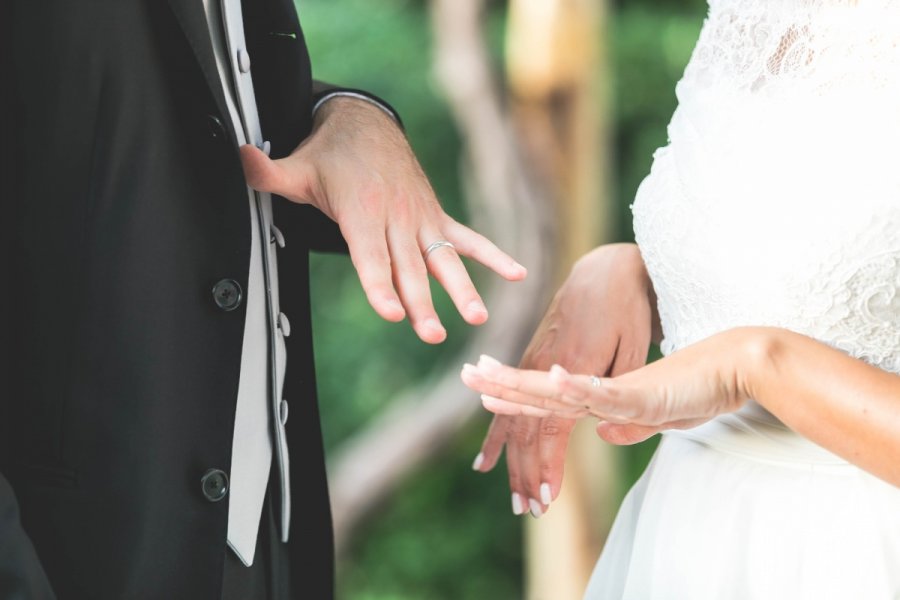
pixel 777 200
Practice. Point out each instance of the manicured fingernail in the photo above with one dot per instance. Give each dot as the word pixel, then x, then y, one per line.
pixel 469 369
pixel 394 305
pixel 517 506
pixel 489 363
pixel 536 509
pixel 477 307
pixel 558 371
pixel 476 464
pixel 517 268
pixel 546 496
pixel 493 404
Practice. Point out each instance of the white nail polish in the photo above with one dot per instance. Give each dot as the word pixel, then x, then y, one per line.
pixel 476 464
pixel 470 369
pixel 517 506
pixel 489 362
pixel 536 509
pixel 546 496
pixel 486 398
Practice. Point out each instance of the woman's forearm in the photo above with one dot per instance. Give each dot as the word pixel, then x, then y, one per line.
pixel 841 403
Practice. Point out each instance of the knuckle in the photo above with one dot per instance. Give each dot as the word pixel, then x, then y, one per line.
pixel 524 437
pixel 550 429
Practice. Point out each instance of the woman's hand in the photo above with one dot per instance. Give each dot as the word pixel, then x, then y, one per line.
pixel 601 321
pixel 682 390
pixel 358 168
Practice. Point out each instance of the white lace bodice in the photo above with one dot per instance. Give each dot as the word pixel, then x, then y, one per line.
pixel 777 200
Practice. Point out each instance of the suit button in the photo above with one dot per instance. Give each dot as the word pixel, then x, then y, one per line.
pixel 216 129
pixel 214 484
pixel 227 294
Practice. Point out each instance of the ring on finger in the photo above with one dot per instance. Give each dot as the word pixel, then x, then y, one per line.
pixel 438 244
pixel 595 381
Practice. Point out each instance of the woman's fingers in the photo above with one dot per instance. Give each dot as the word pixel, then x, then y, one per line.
pixel 625 434
pixel 492 446
pixel 498 406
pixel 502 400
pixel 557 391
pixel 523 461
pixel 553 440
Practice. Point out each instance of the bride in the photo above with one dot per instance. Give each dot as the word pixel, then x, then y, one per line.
pixel 769 236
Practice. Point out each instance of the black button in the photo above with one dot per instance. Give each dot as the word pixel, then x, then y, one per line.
pixel 216 129
pixel 227 294
pixel 215 485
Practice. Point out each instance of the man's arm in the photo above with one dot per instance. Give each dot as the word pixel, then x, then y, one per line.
pixel 321 234
pixel 358 169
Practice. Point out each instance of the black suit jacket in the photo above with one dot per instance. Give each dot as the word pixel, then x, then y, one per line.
pixel 123 203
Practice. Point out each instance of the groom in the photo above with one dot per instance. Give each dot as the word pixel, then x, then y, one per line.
pixel 167 169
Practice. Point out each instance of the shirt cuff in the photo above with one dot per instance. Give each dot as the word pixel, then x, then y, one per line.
pixel 321 100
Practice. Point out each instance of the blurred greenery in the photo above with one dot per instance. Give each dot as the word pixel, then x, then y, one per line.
pixel 448 533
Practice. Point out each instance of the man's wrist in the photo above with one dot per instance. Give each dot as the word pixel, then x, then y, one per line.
pixel 326 103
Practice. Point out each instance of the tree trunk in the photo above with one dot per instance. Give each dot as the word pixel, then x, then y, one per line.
pixel 556 70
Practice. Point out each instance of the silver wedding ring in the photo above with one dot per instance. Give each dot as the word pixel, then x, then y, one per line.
pixel 436 245
pixel 595 381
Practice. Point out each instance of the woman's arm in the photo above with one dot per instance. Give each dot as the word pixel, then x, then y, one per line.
pixel 609 289
pixel 841 403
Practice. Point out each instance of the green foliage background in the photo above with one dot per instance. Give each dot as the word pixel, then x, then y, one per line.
pixel 449 534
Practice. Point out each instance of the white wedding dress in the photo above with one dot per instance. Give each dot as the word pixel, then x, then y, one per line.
pixel 777 203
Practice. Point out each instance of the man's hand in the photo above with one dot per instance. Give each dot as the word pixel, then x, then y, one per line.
pixel 358 168
pixel 600 322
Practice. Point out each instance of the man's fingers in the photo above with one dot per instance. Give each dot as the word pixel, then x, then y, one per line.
pixel 411 280
pixel 444 263
pixel 284 176
pixel 476 246
pixel 369 254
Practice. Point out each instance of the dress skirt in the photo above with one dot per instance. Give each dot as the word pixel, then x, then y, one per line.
pixel 743 508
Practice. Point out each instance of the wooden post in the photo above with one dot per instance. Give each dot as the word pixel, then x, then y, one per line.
pixel 557 75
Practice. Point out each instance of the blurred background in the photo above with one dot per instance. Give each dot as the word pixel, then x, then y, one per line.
pixel 536 121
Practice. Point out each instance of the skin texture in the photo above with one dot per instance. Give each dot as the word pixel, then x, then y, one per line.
pixel 841 403
pixel 600 321
pixel 358 168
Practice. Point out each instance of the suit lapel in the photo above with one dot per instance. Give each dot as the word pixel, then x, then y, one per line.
pixel 192 18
